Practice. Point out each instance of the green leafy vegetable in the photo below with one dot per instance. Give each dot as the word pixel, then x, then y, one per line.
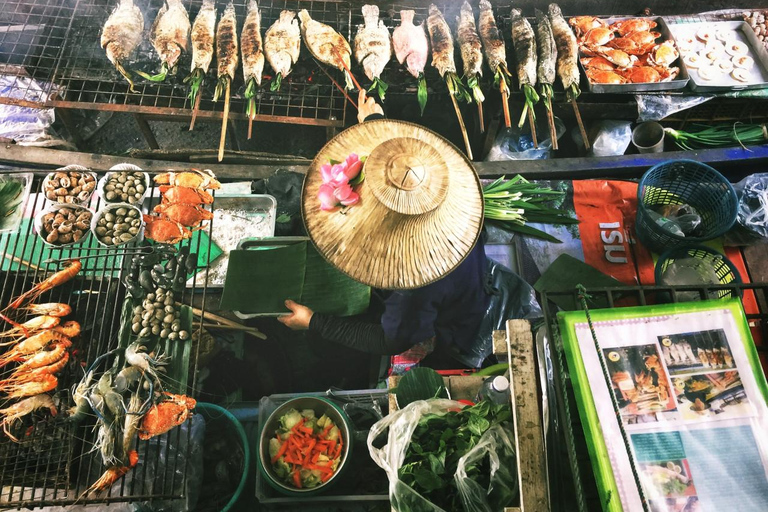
pixel 474 85
pixel 250 95
pixel 276 83
pixel 421 93
pixel 379 87
pixel 10 194
pixel 736 134
pixel 221 87
pixel 531 98
pixel 419 384
pixel 437 444
pixel 457 88
pixel 195 80
pixel 158 77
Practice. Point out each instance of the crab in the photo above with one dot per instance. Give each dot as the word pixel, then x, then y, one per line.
pixel 185 195
pixel 162 417
pixel 617 57
pixel 597 37
pixel 663 54
pixel 636 43
pixel 164 231
pixel 641 74
pixel 598 76
pixel 193 178
pixel 600 63
pixel 583 24
pixel 634 25
pixel 188 215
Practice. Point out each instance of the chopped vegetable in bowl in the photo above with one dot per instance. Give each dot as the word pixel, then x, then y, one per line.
pixel 306 451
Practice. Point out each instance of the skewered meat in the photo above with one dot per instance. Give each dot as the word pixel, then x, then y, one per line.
pixel 567 52
pixel 251 45
pixel 469 42
pixel 442 42
pixel 282 45
pixel 122 34
pixel 170 33
pixel 545 42
pixel 410 43
pixel 373 48
pixel 226 43
pixel 326 45
pixel 493 41
pixel 203 32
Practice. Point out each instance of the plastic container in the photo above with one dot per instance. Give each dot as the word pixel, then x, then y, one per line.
pixel 321 406
pixel 212 412
pixel 496 389
pixel 721 267
pixel 54 208
pixel 72 168
pixel 108 208
pixel 684 182
pixel 123 167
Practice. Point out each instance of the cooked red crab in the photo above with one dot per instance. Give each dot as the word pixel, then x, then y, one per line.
pixel 164 231
pixel 634 25
pixel 598 37
pixel 600 63
pixel 604 77
pixel 617 57
pixel 583 24
pixel 641 75
pixel 188 215
pixel 185 195
pixel 663 54
pixel 162 417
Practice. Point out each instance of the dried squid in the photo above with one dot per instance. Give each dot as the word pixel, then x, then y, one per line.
pixel 122 34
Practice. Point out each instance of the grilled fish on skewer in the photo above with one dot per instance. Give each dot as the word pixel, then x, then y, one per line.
pixel 524 41
pixel 373 48
pixel 253 55
pixel 226 49
pixel 412 48
pixel 496 55
pixel 169 36
pixel 442 52
pixel 122 34
pixel 545 68
pixel 471 50
pixel 203 33
pixel 282 45
pixel 326 45
pixel 567 52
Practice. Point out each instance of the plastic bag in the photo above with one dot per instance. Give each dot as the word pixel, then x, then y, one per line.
pixel 401 425
pixel 517 144
pixel 655 107
pixel 27 126
pixel 612 138
pixel 752 217
pixel 511 298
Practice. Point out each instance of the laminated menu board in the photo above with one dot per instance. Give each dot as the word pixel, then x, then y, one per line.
pixel 685 382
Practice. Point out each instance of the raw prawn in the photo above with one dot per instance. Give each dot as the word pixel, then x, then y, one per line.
pixel 42 384
pixel 58 278
pixel 43 358
pixel 33 345
pixel 27 376
pixel 113 474
pixel 49 308
pixel 15 412
pixel 68 329
pixel 28 328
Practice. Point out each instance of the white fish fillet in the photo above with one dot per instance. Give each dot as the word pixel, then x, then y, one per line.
pixel 170 32
pixel 251 44
pixel 411 44
pixel 203 34
pixel 282 43
pixel 373 48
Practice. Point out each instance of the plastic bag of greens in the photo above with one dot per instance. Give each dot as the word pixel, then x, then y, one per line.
pixel 426 443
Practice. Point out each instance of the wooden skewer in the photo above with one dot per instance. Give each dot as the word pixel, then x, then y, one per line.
pixel 195 109
pixel 344 65
pixel 461 125
pixel 505 103
pixel 480 115
pixel 21 261
pixel 532 122
pixel 250 127
pixel 338 86
pixel 551 120
pixel 226 321
pixel 224 119
pixel 581 124
pixel 244 328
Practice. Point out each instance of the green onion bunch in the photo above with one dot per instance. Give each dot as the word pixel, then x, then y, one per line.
pixel 511 204
pixel 737 134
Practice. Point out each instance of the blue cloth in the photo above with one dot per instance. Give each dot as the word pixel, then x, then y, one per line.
pixel 450 309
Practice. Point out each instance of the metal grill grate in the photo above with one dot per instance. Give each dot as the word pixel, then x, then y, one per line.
pixel 54 463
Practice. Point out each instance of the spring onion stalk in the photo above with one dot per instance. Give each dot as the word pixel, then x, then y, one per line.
pixel 158 77
pixel 457 88
pixel 250 95
pixel 195 80
pixel 720 136
pixel 546 92
pixel 474 85
pixel 421 93
pixel 221 86
pixel 380 87
pixel 573 92
pixel 513 203
pixel 275 85
pixel 531 98
pixel 502 74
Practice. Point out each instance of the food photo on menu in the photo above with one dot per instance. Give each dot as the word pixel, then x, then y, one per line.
pixel 670 486
pixel 695 352
pixel 711 395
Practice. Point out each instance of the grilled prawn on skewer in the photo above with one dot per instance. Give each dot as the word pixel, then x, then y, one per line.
pixel 58 278
pixel 15 412
pixel 28 328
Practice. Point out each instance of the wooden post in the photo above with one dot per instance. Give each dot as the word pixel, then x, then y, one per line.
pixel 517 344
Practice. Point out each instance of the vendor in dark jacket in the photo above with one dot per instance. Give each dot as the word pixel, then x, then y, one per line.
pixel 443 315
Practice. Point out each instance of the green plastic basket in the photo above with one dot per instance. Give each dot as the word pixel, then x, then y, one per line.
pixel 684 182
pixel 722 266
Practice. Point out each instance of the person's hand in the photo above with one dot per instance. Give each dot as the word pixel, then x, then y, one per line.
pixel 366 107
pixel 298 318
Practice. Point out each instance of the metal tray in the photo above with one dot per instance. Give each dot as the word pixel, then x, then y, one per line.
pixel 678 83
pixel 743 33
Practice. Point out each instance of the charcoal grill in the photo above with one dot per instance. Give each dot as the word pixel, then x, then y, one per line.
pixel 53 463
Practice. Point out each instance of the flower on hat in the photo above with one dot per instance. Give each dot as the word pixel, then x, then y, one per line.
pixel 339 180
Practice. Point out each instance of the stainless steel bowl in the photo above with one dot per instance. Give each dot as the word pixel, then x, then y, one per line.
pixel 320 406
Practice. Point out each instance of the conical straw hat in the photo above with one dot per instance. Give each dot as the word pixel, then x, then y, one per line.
pixel 420 210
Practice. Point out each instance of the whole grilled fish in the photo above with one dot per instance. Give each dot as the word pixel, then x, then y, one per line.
pixel 203 33
pixel 226 43
pixel 493 41
pixel 524 42
pixel 251 44
pixel 170 32
pixel 373 48
pixel 282 43
pixel 545 41
pixel 122 34
pixel 469 42
pixel 442 42
pixel 567 50
pixel 410 44
pixel 326 45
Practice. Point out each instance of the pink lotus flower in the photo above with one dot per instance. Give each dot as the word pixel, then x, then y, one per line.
pixel 325 172
pixel 354 165
pixel 327 197
pixel 338 174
